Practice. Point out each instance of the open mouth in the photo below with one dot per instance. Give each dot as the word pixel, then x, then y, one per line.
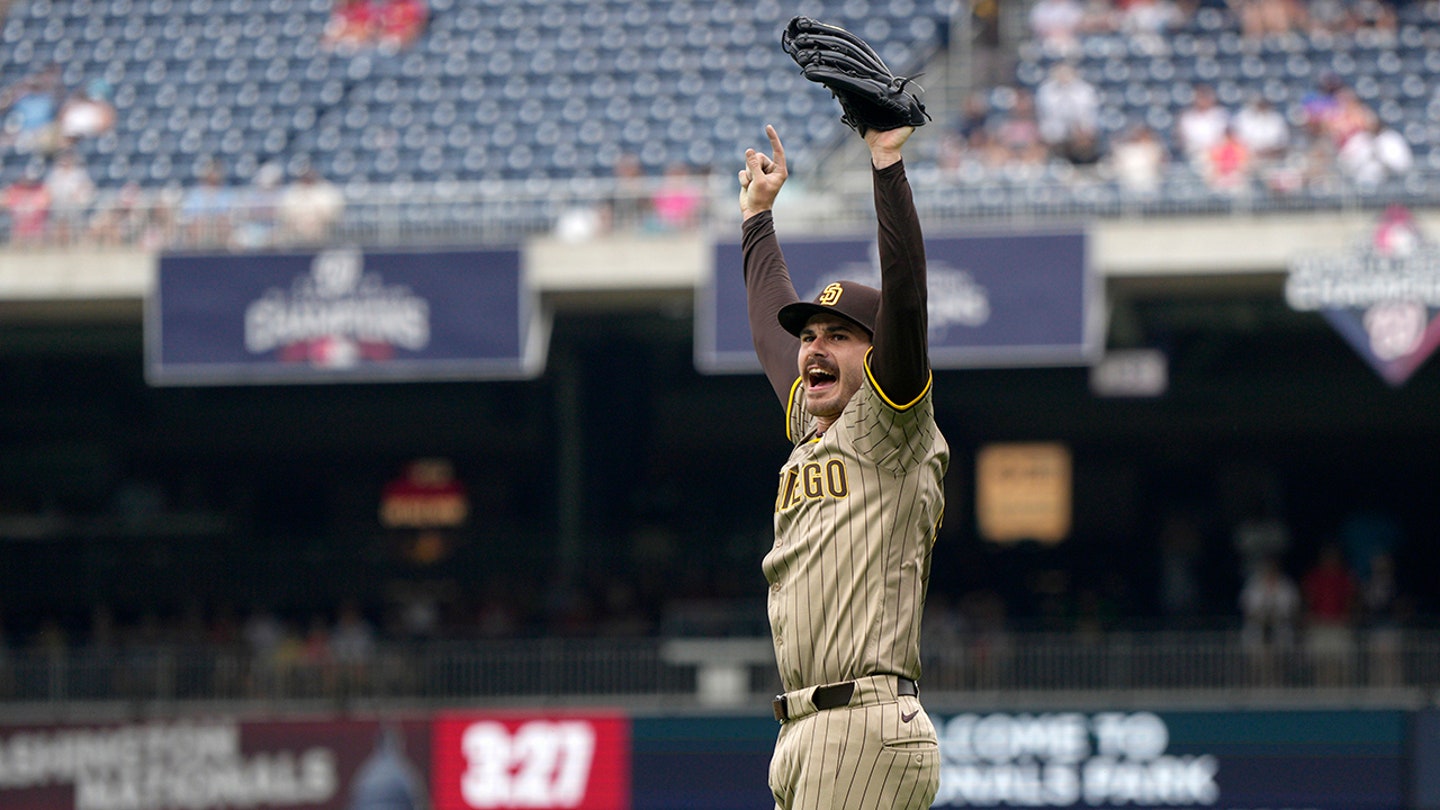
pixel 818 379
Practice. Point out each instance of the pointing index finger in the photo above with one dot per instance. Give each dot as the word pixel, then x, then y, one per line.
pixel 775 145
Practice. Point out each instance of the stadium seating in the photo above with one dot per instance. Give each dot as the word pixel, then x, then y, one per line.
pixel 495 89
pixel 1393 75
pixel 532 89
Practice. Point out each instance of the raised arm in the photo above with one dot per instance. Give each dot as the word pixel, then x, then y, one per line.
pixel 900 362
pixel 767 279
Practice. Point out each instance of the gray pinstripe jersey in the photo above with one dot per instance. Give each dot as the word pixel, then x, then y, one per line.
pixel 855 519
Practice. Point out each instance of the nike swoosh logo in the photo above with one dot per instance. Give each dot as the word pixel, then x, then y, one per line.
pixel 905 718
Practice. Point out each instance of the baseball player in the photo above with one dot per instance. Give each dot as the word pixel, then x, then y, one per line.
pixel 858 504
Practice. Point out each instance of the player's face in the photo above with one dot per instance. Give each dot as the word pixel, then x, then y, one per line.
pixel 832 363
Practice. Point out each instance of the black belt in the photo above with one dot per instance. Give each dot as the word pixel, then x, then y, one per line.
pixel 836 695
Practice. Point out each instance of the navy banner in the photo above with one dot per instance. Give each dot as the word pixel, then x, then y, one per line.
pixel 341 316
pixel 1005 299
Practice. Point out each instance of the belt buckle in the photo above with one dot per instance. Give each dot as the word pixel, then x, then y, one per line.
pixel 781 708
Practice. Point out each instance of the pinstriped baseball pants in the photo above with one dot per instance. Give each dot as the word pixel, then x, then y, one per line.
pixel 858 757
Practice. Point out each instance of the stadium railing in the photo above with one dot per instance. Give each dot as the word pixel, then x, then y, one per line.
pixel 509 212
pixel 717 671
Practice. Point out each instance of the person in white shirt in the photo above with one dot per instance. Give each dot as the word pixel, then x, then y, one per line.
pixel 1263 129
pixel 310 208
pixel 71 193
pixel 1065 103
pixel 1138 161
pixel 1201 125
pixel 1056 23
pixel 1375 154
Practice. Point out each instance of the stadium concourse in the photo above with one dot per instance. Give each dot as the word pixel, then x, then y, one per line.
pixel 357 539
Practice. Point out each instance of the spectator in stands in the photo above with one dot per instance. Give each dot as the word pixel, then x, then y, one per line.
pixel 31 108
pixel 1101 17
pixel 1263 129
pixel 72 192
pixel 399 23
pixel 975 116
pixel 992 62
pixel 1228 167
pixel 1270 609
pixel 1346 17
pixel 351 26
pixel 1065 104
pixel 1265 18
pixel 581 222
pixel 1350 116
pixel 256 215
pixel 310 209
pixel 87 114
pixel 1138 161
pixel 1374 155
pixel 678 200
pixel 630 205
pixel 1083 149
pixel 969 138
pixel 1330 599
pixel 1329 17
pixel 207 209
pixel 1017 140
pixel 117 217
pixel 1382 607
pixel 353 641
pixel 1265 132
pixel 1319 105
pixel 1380 16
pixel 1149 22
pixel 1199 126
pixel 1261 534
pixel 352 645
pixel 1056 24
pixel 1309 165
pixel 28 202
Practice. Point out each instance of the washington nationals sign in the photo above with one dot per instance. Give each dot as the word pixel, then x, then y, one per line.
pixel 341 316
pixel 1006 299
pixel 1383 297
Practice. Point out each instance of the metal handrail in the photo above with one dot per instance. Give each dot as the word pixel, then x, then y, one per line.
pixel 552 669
pixel 509 212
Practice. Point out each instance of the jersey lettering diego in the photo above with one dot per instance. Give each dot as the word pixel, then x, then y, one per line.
pixel 856 512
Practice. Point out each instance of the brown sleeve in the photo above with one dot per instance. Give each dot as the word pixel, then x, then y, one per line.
pixel 900 362
pixel 767 289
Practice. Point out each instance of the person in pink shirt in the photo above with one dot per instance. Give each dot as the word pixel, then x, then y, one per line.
pixel 28 202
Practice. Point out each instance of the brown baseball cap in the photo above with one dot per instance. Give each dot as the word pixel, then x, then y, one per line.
pixel 848 299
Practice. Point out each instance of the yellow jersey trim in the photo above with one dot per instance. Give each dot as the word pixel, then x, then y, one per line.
pixel 929 381
pixel 790 407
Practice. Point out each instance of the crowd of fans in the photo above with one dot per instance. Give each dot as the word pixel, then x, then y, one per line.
pixel 1248 148
pixel 1337 605
pixel 62 205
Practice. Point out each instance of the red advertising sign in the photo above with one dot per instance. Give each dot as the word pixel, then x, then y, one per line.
pixel 536 762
